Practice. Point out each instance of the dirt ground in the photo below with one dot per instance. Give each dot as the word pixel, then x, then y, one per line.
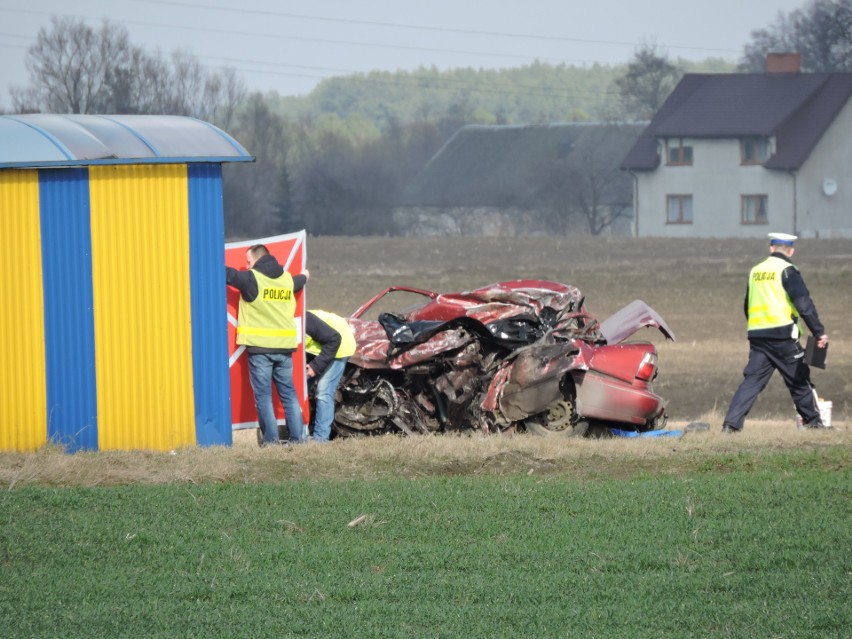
pixel 696 285
pixel 418 456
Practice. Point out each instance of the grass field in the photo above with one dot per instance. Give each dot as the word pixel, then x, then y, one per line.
pixel 732 544
pixel 696 535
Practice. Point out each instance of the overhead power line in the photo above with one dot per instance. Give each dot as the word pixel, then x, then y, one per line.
pixel 300 38
pixel 277 67
pixel 373 77
pixel 398 25
pixel 394 78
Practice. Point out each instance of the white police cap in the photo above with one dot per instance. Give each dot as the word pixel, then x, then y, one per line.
pixel 782 238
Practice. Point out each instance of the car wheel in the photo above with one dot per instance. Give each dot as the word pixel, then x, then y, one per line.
pixel 366 408
pixel 558 421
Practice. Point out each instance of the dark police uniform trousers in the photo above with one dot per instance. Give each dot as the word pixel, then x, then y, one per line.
pixel 765 356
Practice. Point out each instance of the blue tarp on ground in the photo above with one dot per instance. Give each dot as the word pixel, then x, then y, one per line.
pixel 617 432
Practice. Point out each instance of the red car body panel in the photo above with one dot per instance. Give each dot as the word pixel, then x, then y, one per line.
pixel 606 399
pixel 518 347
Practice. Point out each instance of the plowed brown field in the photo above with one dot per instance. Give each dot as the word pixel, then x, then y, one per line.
pixel 696 285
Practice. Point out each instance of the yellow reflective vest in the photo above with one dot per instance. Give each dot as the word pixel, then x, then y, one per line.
pixel 347 337
pixel 769 306
pixel 269 321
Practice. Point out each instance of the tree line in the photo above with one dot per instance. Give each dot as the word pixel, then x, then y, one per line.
pixel 335 161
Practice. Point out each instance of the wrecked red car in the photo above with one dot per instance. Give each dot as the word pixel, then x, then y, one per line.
pixel 522 355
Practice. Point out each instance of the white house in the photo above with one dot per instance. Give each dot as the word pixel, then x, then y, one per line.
pixel 737 155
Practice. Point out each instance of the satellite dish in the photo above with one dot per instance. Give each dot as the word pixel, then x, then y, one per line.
pixel 829 186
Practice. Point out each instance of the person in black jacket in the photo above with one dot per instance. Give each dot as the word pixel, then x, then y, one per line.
pixel 776 298
pixel 266 325
pixel 330 340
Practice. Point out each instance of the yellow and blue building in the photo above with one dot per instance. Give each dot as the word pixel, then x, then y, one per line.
pixel 114 331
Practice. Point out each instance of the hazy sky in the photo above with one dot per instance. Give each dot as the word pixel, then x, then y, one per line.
pixel 290 46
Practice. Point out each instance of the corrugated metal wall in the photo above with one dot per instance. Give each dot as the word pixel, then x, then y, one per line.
pixel 142 318
pixel 209 327
pixel 23 419
pixel 116 334
pixel 69 337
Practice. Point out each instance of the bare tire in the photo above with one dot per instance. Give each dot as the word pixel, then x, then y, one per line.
pixel 558 421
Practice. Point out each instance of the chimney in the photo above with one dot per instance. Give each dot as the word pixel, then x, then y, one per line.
pixel 783 62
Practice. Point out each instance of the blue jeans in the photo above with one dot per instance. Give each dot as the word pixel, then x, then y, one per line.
pixel 264 368
pixel 326 387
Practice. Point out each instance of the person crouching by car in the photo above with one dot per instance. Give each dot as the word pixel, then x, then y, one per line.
pixel 331 341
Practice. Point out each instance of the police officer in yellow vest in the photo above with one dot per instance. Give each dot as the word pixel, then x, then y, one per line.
pixel 331 341
pixel 776 298
pixel 267 327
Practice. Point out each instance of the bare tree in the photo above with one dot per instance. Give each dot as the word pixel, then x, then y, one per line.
pixel 225 92
pixel 345 177
pixel 202 94
pixel 72 68
pixel 821 32
pixel 587 188
pixel 136 87
pixel 187 84
pixel 646 84
pixel 77 69
pixel 249 189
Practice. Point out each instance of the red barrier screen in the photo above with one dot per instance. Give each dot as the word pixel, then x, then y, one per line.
pixel 289 250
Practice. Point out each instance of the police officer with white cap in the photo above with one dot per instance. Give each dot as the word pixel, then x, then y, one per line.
pixel 776 298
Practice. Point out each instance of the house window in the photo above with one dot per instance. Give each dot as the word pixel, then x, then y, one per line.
pixel 677 153
pixel 755 209
pixel 754 150
pixel 678 209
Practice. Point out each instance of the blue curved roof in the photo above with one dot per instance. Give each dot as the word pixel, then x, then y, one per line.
pixel 45 140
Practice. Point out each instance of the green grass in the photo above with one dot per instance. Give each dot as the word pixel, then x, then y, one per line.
pixel 758 549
